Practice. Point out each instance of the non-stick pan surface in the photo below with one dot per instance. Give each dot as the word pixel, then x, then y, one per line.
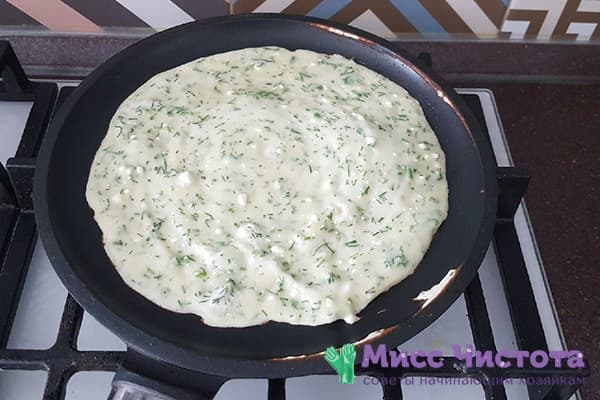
pixel 73 240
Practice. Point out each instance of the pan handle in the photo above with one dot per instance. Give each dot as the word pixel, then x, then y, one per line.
pixel 129 385
pixel 130 391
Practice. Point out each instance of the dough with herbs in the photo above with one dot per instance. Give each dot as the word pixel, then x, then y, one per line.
pixel 264 184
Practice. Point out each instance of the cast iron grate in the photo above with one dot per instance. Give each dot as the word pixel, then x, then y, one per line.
pixel 18 236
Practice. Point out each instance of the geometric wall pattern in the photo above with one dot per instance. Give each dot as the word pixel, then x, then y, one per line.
pixel 569 19
pixel 517 19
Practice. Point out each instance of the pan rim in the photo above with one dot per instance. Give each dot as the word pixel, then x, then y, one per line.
pixel 168 352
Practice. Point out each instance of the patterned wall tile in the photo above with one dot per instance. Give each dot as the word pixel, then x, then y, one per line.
pixel 10 15
pixel 372 16
pixel 56 15
pixel 162 14
pixel 106 13
pixel 446 15
pixel 517 19
pixel 580 20
pixel 391 17
pixel 200 9
pixel 95 15
pixel 564 19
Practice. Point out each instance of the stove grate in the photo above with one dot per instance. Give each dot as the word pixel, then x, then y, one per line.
pixel 18 236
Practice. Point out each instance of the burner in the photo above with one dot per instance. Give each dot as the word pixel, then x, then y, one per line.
pixel 63 358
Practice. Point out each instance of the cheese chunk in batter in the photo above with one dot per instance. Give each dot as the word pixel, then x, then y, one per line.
pixel 264 184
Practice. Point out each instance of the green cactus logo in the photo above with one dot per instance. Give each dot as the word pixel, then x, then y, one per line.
pixel 342 362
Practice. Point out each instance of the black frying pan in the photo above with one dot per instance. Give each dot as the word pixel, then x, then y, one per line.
pixel 73 240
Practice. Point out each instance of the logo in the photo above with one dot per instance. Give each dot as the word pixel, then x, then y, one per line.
pixel 342 362
pixel 472 358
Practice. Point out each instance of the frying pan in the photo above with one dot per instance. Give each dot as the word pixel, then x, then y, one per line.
pixel 73 240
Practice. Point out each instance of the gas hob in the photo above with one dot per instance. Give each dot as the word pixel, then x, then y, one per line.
pixel 50 348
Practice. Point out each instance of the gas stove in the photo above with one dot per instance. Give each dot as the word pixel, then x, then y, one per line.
pixel 50 348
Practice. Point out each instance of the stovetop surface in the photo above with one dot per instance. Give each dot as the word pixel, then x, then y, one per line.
pixel 41 305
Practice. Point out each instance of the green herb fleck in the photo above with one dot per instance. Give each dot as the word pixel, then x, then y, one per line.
pixel 332 277
pixel 184 259
pixel 201 273
pixel 324 245
pixel 396 261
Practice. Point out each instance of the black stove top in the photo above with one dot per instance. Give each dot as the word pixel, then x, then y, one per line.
pixel 18 236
